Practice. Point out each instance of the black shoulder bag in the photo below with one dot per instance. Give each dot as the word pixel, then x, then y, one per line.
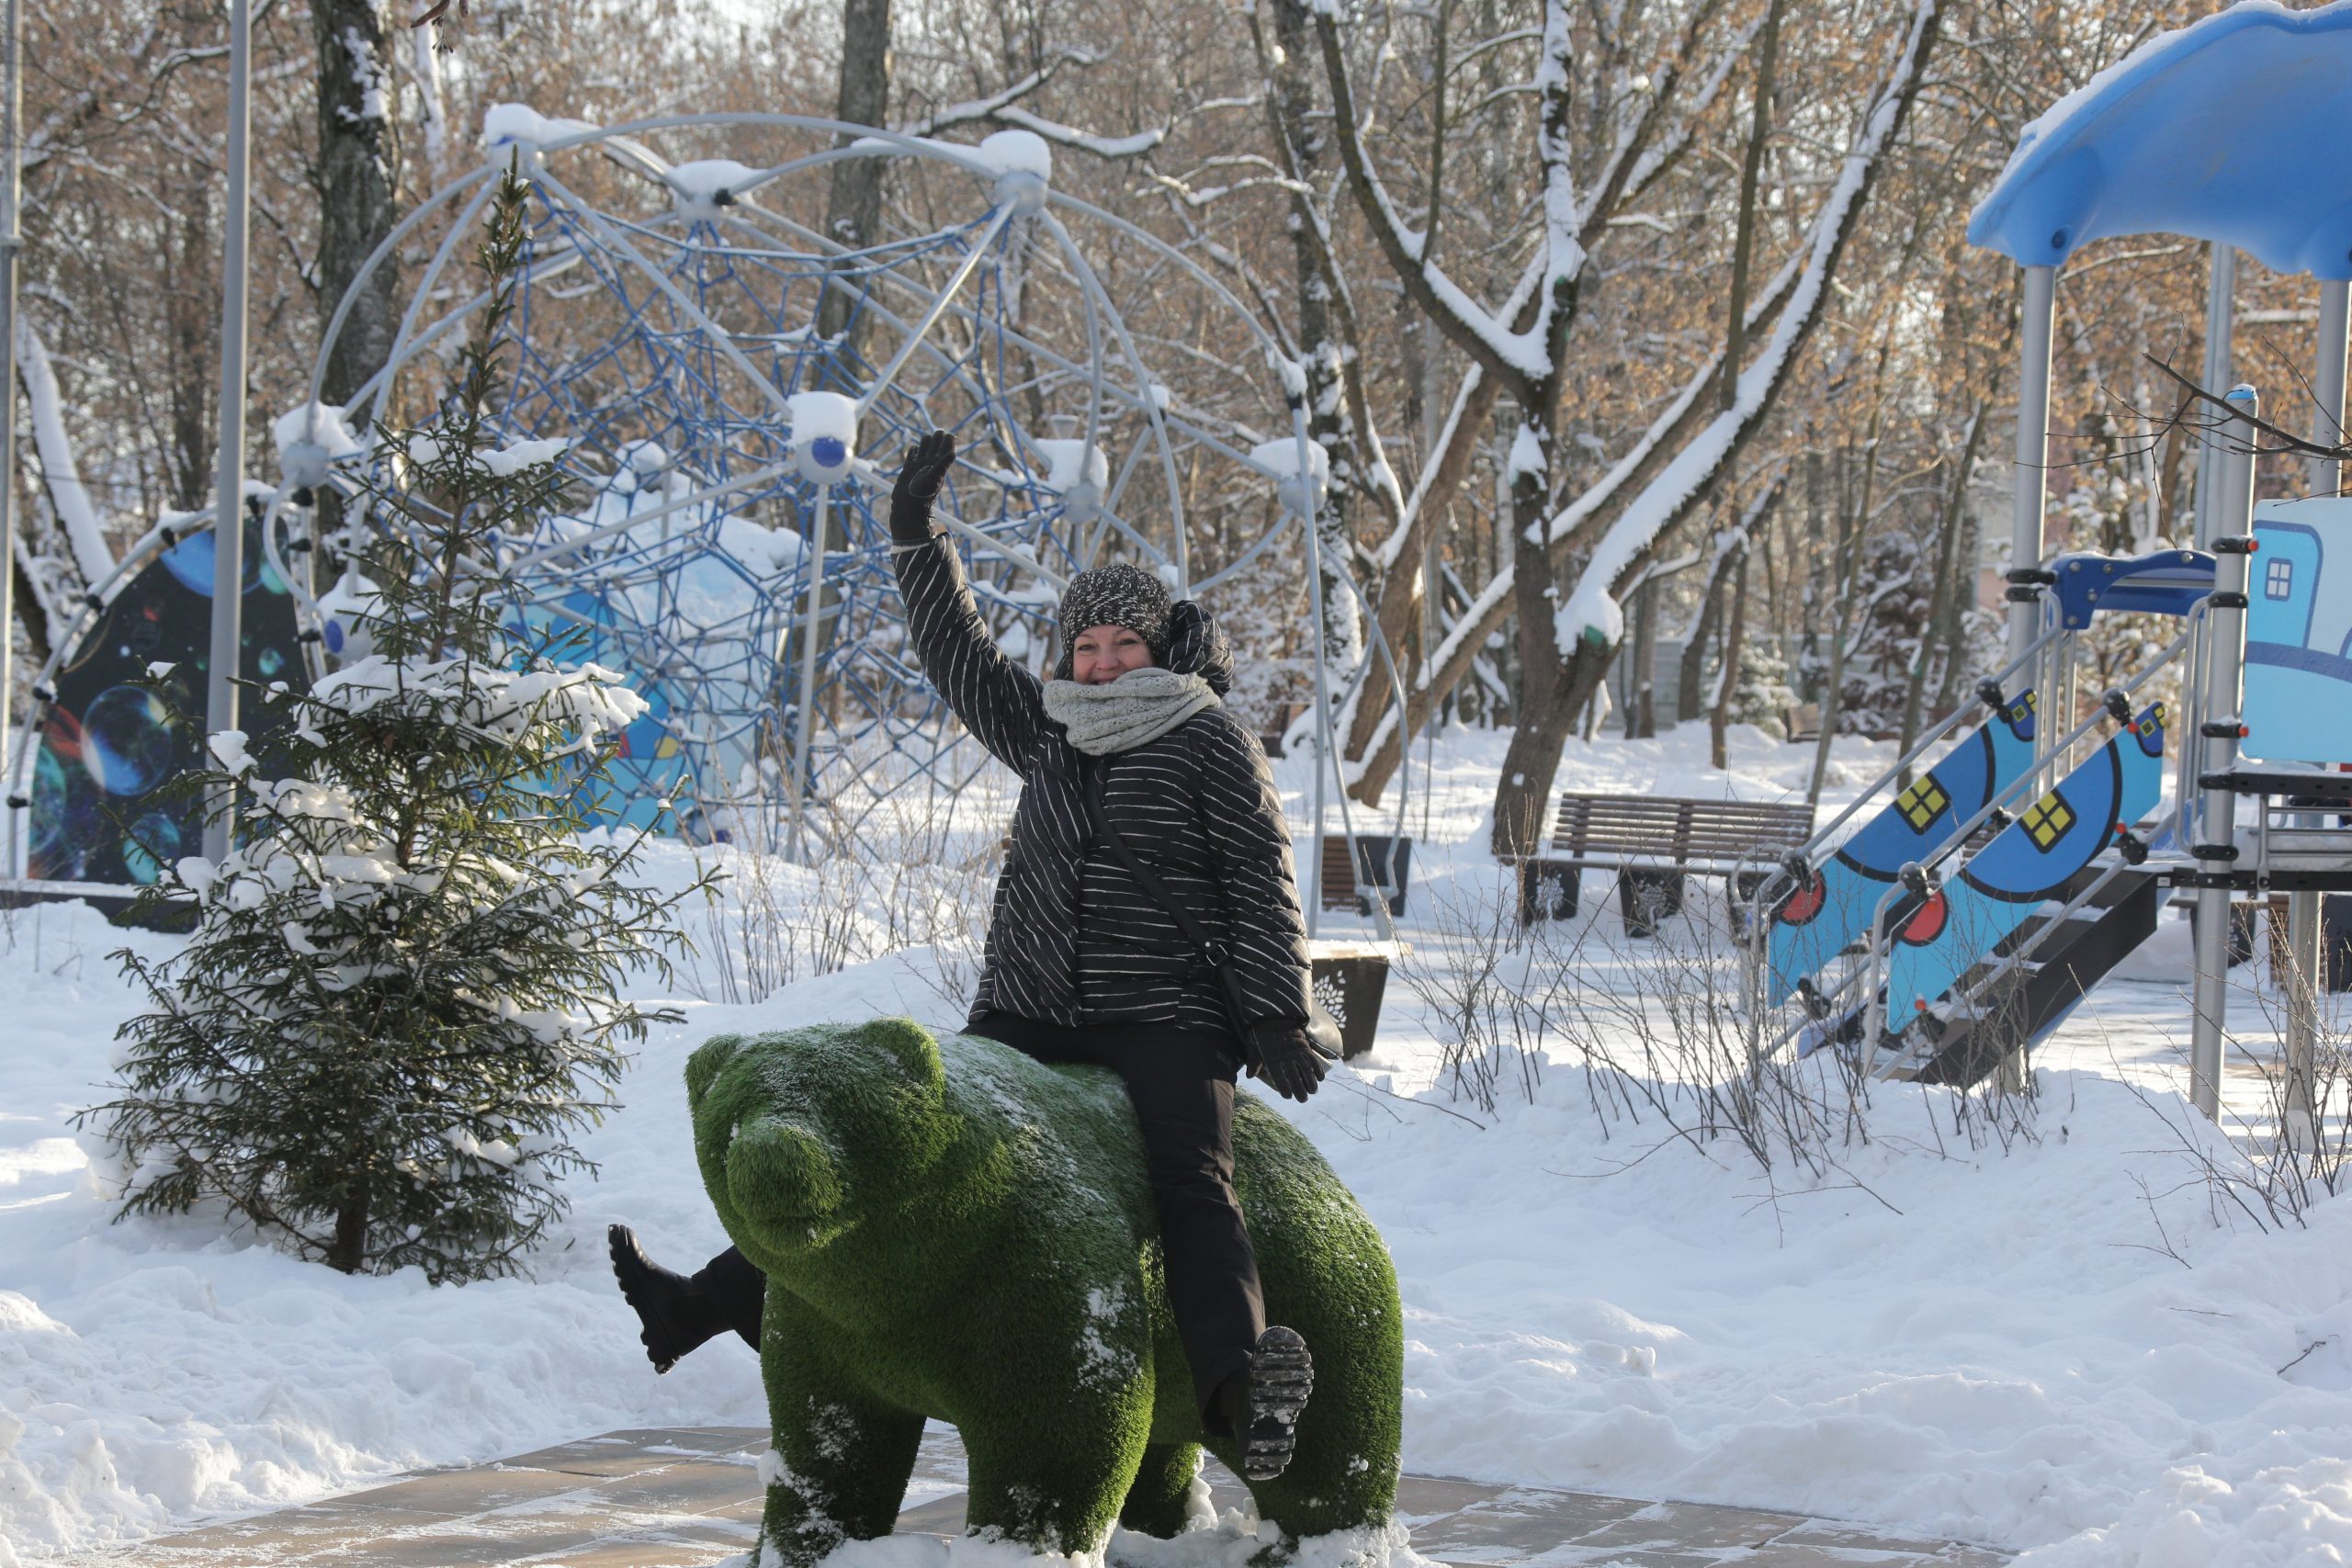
pixel 1322 1029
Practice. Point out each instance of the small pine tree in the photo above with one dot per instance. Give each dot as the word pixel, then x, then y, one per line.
pixel 400 999
pixel 1762 695
pixel 1895 593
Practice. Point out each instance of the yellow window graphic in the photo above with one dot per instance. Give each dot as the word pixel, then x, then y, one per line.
pixel 1922 803
pixel 2048 818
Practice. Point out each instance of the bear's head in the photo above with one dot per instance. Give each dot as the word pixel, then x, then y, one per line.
pixel 803 1132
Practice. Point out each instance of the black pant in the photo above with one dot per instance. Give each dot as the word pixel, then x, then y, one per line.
pixel 1181 1082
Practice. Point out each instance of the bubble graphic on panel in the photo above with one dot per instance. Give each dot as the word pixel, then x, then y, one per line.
pixel 53 797
pixel 154 842
pixel 191 562
pixel 129 740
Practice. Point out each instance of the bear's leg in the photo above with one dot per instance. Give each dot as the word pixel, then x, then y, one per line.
pixel 839 1466
pixel 1327 1488
pixel 1054 1481
pixel 1159 1500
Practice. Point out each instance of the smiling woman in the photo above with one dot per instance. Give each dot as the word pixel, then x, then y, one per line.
pixel 1174 964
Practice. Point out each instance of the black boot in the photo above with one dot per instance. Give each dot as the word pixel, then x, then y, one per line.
pixel 677 1317
pixel 1262 1404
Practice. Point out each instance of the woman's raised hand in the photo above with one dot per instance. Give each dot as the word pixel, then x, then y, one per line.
pixel 926 465
pixel 918 487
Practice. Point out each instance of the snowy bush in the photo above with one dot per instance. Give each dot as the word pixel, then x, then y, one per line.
pixel 400 999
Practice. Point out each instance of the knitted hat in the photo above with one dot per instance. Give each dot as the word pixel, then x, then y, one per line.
pixel 1117 595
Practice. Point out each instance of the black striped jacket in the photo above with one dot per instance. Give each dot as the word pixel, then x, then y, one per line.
pixel 1073 938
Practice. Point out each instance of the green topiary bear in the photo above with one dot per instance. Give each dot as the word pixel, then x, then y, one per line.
pixel 953 1230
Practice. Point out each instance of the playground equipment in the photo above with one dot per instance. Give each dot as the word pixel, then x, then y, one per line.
pixel 733 391
pixel 1940 956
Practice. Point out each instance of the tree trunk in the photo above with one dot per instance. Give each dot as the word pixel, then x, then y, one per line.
pixel 1943 594
pixel 1544 713
pixel 854 198
pixel 1291 103
pixel 1691 675
pixel 358 187
pixel 1831 693
pixel 1727 680
pixel 1641 687
pixel 347 1250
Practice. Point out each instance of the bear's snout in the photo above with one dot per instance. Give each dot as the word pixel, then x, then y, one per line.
pixel 782 1175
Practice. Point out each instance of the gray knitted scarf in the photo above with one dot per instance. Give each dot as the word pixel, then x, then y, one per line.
pixel 1139 707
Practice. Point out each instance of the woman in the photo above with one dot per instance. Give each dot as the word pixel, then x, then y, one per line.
pixel 1083 963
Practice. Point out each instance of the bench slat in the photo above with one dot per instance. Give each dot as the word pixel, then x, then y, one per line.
pixel 1693 834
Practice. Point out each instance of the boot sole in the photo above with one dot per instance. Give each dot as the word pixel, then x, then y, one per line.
pixel 1282 1375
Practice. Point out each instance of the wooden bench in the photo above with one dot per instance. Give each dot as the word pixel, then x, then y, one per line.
pixel 1345 885
pixel 1653 843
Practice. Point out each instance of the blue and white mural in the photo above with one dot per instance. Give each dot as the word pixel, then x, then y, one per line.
pixel 2298 705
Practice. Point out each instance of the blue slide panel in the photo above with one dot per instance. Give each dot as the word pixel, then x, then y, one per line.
pixel 2030 862
pixel 1816 921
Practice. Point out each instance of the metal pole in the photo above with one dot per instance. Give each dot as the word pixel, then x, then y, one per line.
pixel 812 610
pixel 2216 854
pixel 2306 974
pixel 227 501
pixel 2327 379
pixel 2033 444
pixel 2298 1108
pixel 12 151
pixel 2220 310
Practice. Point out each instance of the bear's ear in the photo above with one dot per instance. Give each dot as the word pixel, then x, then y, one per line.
pixel 705 1064
pixel 908 1041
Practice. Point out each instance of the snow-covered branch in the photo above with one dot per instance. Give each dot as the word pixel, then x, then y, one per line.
pixel 77 514
pixel 1520 355
pixel 1003 108
pixel 1685 477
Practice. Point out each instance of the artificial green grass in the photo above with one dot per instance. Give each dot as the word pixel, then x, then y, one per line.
pixel 952 1230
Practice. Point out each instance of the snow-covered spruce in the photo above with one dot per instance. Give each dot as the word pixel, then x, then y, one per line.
pixel 400 999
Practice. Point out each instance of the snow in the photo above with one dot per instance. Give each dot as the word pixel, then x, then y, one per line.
pixel 1589 610
pixel 508 461
pixel 519 124
pixel 1279 461
pixel 308 439
pixel 228 750
pixel 1017 152
pixel 1526 456
pixel 2060 1340
pixel 824 435
pixel 1070 464
pixel 702 182
pixel 1129 146
pixel 816 415
pixel 767 551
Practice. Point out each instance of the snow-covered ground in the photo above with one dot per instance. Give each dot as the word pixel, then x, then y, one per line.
pixel 2061 1336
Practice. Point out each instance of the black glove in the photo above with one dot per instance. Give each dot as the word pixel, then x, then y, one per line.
pixel 918 487
pixel 1280 1057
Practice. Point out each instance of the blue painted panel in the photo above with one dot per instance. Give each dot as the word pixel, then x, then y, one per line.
pixel 2297 695
pixel 2030 862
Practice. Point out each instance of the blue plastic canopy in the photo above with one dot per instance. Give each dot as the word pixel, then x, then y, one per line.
pixel 2236 128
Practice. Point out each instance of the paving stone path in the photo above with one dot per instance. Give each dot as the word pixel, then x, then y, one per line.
pixel 690 1497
